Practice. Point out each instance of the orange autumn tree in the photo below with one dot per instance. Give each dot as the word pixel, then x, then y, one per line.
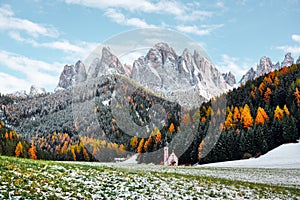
pixel 147 143
pixel 261 116
pixel 158 138
pixel 297 96
pixel 201 145
pixel 19 149
pixel 171 128
pixel 261 88
pixel 32 151
pixel 133 141
pixel 246 117
pixel 286 110
pixel 278 113
pixel 229 121
pixel 236 114
pixel 267 95
pixel 141 145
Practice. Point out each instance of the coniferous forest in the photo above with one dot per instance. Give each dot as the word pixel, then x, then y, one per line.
pixel 259 116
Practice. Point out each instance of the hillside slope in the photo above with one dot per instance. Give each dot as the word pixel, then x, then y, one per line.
pixel 284 156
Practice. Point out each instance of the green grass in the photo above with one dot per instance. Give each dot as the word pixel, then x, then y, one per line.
pixel 31 179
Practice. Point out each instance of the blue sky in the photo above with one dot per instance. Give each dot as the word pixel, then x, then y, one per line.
pixel 37 38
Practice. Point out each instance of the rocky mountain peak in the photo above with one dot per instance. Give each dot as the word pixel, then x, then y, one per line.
pixel 164 71
pixel 298 60
pixel 34 90
pixel 250 75
pixel 229 78
pixel 161 54
pixel 66 78
pixel 80 72
pixel 18 94
pixel 70 74
pixel 265 66
pixel 288 60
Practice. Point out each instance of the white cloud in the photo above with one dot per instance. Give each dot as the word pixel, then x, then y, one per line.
pixel 195 15
pixel 237 66
pixel 8 22
pixel 170 7
pixel 296 38
pixel 292 49
pixel 182 12
pixel 202 30
pixel 10 84
pixel 77 50
pixel 121 19
pixel 33 72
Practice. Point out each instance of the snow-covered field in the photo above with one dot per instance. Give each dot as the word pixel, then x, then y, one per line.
pixel 284 156
pixel 29 179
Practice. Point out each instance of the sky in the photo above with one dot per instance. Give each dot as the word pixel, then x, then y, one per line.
pixel 39 37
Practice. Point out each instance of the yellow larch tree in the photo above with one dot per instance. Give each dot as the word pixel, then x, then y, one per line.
pixel 19 149
pixel 278 113
pixel 32 151
pixel 246 117
pixel 261 116
pixel 141 145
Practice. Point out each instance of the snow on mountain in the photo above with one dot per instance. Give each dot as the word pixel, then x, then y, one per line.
pixel 80 73
pixel 108 64
pixel 66 77
pixel 162 70
pixel 34 90
pixel 229 78
pixel 288 60
pixel 19 94
pixel 70 74
pixel 250 75
pixel 265 66
pixel 284 156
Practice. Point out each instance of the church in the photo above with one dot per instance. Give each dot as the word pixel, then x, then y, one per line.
pixel 171 160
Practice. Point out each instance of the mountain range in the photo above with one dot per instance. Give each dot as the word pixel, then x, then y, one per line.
pixel 160 70
pixel 265 66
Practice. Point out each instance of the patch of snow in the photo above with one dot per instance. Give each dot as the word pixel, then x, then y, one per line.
pixel 284 156
pixel 132 159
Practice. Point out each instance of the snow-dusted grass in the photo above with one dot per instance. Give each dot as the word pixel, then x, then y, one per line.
pixel 33 179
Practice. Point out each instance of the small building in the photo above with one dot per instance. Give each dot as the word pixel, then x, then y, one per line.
pixel 171 160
